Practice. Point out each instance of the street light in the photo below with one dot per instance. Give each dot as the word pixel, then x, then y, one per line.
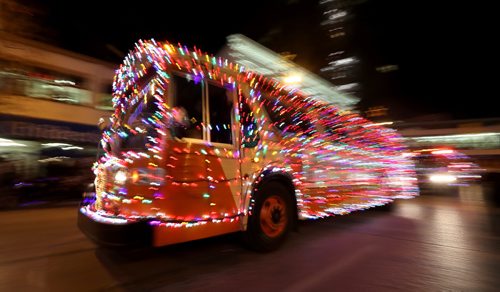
pixel 292 79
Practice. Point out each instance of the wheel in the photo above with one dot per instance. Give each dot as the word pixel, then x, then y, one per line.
pixel 272 217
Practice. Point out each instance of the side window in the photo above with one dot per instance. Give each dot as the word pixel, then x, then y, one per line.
pixel 250 137
pixel 188 95
pixel 333 125
pixel 287 118
pixel 220 110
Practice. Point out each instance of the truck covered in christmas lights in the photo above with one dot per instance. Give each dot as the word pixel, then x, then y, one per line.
pixel 199 146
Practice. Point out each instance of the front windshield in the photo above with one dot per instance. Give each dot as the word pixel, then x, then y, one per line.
pixel 136 126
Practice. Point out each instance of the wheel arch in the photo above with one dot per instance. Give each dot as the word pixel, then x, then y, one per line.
pixel 281 176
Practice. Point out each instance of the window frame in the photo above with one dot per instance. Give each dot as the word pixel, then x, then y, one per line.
pixel 205 104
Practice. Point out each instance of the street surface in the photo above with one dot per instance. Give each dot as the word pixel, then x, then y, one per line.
pixel 431 243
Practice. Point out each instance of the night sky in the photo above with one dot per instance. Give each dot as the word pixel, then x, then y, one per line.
pixel 438 48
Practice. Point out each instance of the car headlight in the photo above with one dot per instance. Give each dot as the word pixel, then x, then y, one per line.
pixel 442 178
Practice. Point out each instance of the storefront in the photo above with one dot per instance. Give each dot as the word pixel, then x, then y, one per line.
pixel 45 157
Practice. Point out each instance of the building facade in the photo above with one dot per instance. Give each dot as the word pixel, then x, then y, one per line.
pixel 50 103
pixel 341 64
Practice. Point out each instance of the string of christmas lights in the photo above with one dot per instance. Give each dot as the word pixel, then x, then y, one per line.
pixel 339 162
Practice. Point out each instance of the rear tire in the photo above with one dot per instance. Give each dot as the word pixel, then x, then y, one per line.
pixel 272 217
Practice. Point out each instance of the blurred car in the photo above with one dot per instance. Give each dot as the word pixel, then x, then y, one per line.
pixel 444 167
pixel 59 180
pixel 7 180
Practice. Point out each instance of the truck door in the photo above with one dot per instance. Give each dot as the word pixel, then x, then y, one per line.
pixel 223 155
pixel 204 162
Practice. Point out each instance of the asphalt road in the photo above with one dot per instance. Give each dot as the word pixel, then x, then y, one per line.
pixel 431 243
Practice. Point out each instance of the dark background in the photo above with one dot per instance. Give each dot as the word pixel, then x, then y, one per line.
pixel 442 50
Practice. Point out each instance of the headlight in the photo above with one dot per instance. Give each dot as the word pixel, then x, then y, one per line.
pixel 442 178
pixel 121 177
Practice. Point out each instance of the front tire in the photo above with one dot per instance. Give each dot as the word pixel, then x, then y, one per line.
pixel 272 217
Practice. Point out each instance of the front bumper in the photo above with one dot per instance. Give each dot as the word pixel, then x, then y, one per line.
pixel 107 231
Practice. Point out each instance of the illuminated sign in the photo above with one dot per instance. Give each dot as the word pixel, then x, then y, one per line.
pixel 40 129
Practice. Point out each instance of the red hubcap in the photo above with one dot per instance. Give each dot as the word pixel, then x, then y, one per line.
pixel 273 217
